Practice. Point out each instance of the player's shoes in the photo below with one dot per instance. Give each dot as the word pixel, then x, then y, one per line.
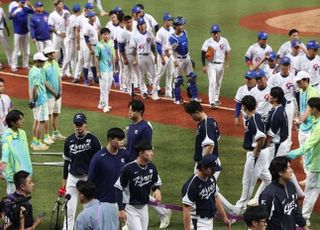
pixel 144 95
pixel 106 109
pixel 196 99
pixel 178 102
pixel 56 135
pixel 155 96
pixel 48 140
pixel 75 80
pixel 165 219
pixel 39 146
pixel 212 106
pixel 100 106
pixel 14 70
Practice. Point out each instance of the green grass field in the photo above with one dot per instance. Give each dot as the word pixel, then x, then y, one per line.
pixel 173 153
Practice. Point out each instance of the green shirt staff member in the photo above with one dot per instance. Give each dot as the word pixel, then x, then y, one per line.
pixel 311 150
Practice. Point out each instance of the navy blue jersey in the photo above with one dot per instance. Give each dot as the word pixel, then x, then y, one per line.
pixel 104 170
pixel 179 43
pixel 136 133
pixel 213 133
pixel 254 129
pixel 200 195
pixel 139 179
pixel 277 125
pixel 78 152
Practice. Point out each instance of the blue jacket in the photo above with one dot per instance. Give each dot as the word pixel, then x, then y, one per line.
pixel 20 20
pixel 39 28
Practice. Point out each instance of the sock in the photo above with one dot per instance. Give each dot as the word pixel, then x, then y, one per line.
pixel 94 73
pixel 85 74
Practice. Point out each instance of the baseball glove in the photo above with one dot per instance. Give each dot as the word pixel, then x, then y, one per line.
pixel 210 53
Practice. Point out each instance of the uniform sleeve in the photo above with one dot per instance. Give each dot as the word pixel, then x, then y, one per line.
pixel 268 203
pixel 274 124
pixel 248 55
pixel 213 130
pixel 123 180
pixel 204 46
pixel 32 28
pixel 51 21
pixel 147 133
pixel 97 146
pixel 81 223
pixel 156 179
pixel 239 96
pixel 259 128
pixel 188 195
pixel 133 42
pixel 36 79
pixel 228 48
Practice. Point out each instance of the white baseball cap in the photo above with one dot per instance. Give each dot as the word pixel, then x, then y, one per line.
pixel 49 50
pixel 39 57
pixel 301 75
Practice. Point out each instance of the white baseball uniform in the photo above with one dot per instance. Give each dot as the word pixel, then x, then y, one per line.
pixel 285 49
pixel 312 67
pixel 270 71
pixel 5 106
pixel 91 31
pixel 294 62
pixel 262 98
pixel 150 21
pixel 12 4
pixel 4 38
pixel 242 92
pixel 256 53
pixel 216 66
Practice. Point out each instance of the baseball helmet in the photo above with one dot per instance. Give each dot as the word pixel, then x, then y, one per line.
pixel 312 44
pixel 179 20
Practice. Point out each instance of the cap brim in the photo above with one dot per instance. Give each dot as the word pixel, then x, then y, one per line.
pixel 217 168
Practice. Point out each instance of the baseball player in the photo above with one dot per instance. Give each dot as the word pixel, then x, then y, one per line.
pixel 4 36
pixel 70 57
pixel 256 165
pixel 38 100
pixel 19 16
pixel 135 11
pixel 271 67
pixel 215 66
pixel 285 48
pixel 104 60
pixel 242 92
pixel 39 28
pixel 258 52
pixel 54 91
pixel 143 43
pixel 311 63
pixel 295 56
pixel 285 80
pixel 200 199
pixel 57 22
pixel 151 22
pixel 164 63
pixel 140 177
pixel 178 51
pixel 79 148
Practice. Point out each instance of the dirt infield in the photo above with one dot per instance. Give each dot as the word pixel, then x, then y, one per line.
pixel 281 21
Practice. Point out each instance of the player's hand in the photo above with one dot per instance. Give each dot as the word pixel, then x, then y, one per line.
pixel 31 104
pixel 122 215
pixel 125 61
pixel 227 222
pixel 157 195
pixel 103 14
pixel 58 95
pixel 237 121
pixel 34 40
pixel 63 34
pixel 134 62
pixel 205 69
pixel 163 61
pixel 227 67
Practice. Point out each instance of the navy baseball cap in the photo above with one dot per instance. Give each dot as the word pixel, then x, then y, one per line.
pixel 23 1
pixel 117 9
pixel 260 73
pixel 79 119
pixel 167 17
pixel 88 5
pixel 215 28
pixel 90 14
pixel 210 160
pixel 136 10
pixel 262 36
pixel 312 44
pixel 38 4
pixel 285 60
pixel 141 21
pixel 272 56
pixel 295 43
pixel 250 74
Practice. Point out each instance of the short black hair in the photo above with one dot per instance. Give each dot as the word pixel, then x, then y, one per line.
pixel 111 12
pixel 120 16
pixel 278 165
pixel 292 31
pixel 314 102
pixel 140 5
pixel 115 133
pixel 137 106
pixel 127 18
pixel 56 2
pixel 19 178
pixel 193 107
pixel 254 213
pixel 277 92
pixel 249 102
pixel 87 188
pixel 104 30
pixel 13 116
pixel 142 146
pixel 1 80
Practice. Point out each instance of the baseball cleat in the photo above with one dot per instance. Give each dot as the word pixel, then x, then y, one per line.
pixel 144 95
pixel 155 97
pixel 178 102
pixel 75 80
pixel 165 219
pixel 212 106
pixel 100 106
pixel 106 109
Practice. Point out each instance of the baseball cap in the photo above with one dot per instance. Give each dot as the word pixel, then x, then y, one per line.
pixel 38 4
pixel 79 119
pixel 259 73
pixel 301 75
pixel 23 1
pixel 295 43
pixel 285 60
pixel 88 5
pixel 136 10
pixel 167 17
pixel 90 14
pixel 39 57
pixel 215 28
pixel 272 56
pixel 141 21
pixel 250 74
pixel 76 8
pixel 117 9
pixel 262 35
pixel 49 50
pixel 179 20
pixel 312 44
pixel 210 161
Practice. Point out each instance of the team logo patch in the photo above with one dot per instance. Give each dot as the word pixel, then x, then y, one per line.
pixel 148 40
pixel 150 170
pixel 289 85
pixel 136 131
pixel 315 66
pixel 266 97
pixel 222 46
pixel 122 160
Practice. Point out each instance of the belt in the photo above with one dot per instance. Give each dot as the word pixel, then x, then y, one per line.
pixel 315 84
pixel 182 57
pixel 144 54
pixel 1 29
pixel 215 62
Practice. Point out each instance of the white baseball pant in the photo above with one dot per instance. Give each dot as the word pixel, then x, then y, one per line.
pixel 137 217
pixel 58 43
pixel 290 109
pixel 129 72
pixel 72 204
pixel 184 66
pixel 202 223
pixel 145 65
pixel 215 75
pixel 79 65
pixel 5 45
pixel 88 59
pixel 251 173
pixel 312 191
pixel 41 45
pixel 21 42
pixel 69 61
pixel 161 69
pixel 105 83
